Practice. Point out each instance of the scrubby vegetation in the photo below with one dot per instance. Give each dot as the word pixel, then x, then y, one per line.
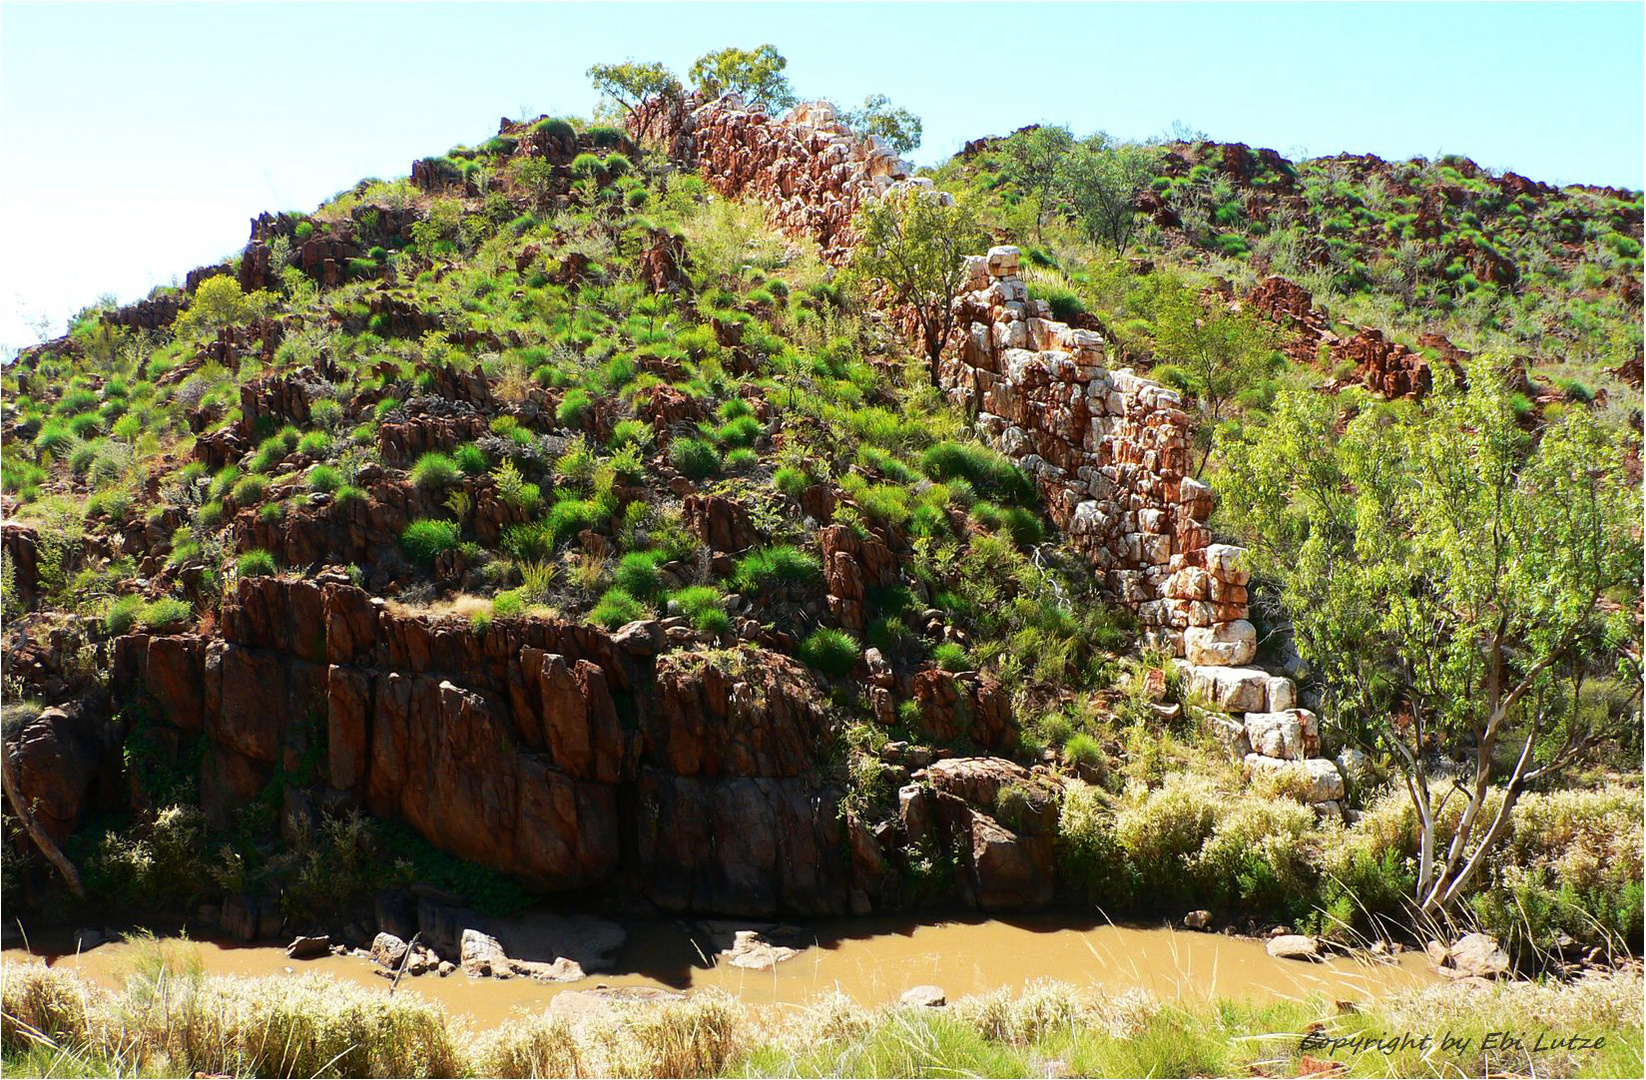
pixel 538 384
pixel 169 1019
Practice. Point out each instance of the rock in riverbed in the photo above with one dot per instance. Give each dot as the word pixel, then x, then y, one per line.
pixel 925 997
pixel 1293 947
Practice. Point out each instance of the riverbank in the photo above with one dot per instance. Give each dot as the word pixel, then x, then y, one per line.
pixel 170 1018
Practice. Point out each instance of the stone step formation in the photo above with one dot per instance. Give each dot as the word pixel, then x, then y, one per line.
pixel 1109 450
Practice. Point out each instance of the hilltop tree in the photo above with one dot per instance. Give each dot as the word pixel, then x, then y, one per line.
pixel 915 241
pixel 631 82
pixel 756 76
pixel 1446 577
pixel 898 128
pixel 1099 180
pixel 1031 159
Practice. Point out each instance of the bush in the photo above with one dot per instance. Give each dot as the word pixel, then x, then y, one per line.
pixel 325 478
pixel 1081 749
pixel 990 473
pixel 249 490
pixel 696 458
pixel 637 573
pixel 780 566
pixel 1021 524
pixel 508 605
pixel 573 407
pixel 164 612
pixel 434 470
pixel 347 495
pixel 617 607
pixel 123 615
pixel 741 431
pixel 315 443
pixel 790 481
pixel 701 604
pixel 427 538
pixel 54 439
pixel 568 517
pixel 255 563
pixel 471 459
pixel 833 652
pixel 951 656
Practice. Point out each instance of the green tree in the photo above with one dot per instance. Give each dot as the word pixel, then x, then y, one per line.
pixel 1446 576
pixel 898 128
pixel 1212 352
pixel 756 76
pixel 1099 180
pixel 1031 157
pixel 631 82
pixel 915 240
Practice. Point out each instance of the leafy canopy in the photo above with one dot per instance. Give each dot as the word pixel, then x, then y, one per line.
pixel 898 128
pixel 1099 180
pixel 1445 573
pixel 754 75
pixel 915 241
pixel 632 82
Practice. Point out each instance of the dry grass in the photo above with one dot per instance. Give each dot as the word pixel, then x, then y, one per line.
pixel 170 1020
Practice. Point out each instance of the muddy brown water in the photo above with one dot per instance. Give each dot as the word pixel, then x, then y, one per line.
pixel 871 961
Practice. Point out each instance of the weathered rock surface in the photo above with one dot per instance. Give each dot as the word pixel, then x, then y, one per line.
pixel 1293 947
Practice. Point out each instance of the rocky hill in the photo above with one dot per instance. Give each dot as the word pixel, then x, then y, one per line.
pixel 569 511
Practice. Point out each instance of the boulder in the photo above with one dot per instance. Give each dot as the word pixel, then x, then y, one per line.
pixel 309 948
pixel 1232 689
pixel 750 950
pixel 1197 920
pixel 1477 956
pixel 1293 734
pixel 1293 947
pixel 1224 644
pixel 387 950
pixel 481 954
pixel 924 997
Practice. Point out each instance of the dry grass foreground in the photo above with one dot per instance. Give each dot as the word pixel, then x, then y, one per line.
pixel 170 1019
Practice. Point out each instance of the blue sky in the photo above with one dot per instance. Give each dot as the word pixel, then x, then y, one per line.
pixel 137 140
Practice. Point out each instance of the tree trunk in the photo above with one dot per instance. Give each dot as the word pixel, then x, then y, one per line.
pixel 19 806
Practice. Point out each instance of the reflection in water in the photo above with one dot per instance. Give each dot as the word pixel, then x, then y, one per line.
pixel 873 961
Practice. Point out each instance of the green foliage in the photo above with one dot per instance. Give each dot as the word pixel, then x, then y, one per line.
pixel 637 573
pixel 833 652
pixel 1100 180
pixel 915 244
pixel 776 567
pixel 951 656
pixel 878 118
pixel 617 606
pixel 703 605
pixel 754 75
pixel 988 471
pixel 696 458
pixel 428 537
pixel 573 408
pixel 434 470
pixel 255 563
pixel 325 478
pixel 627 84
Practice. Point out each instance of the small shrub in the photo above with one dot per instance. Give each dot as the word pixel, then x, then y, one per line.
pixel 573 407
pixel 696 458
pixel 347 495
pixel 1082 749
pixel 637 573
pixel 326 478
pixel 568 517
pixel 427 538
pixel 162 613
pixel 951 656
pixel 742 431
pixel 508 605
pixel 255 563
pixel 790 481
pixel 434 470
pixel 780 566
pixel 249 490
pixel 123 615
pixel 315 443
pixel 989 472
pixel 617 607
pixel 833 652
pixel 471 459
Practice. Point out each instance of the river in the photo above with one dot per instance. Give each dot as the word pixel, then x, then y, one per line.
pixel 872 961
